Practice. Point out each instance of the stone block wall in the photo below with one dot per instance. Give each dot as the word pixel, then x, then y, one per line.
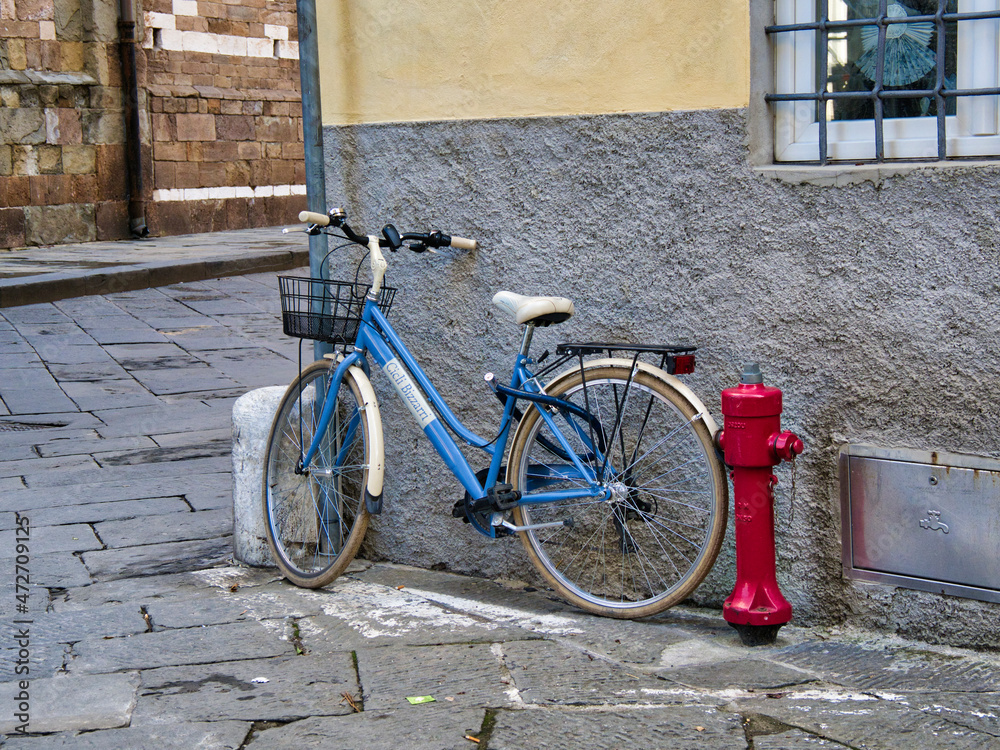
pixel 220 119
pixel 61 124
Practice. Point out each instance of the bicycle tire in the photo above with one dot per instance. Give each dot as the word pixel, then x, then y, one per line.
pixel 309 551
pixel 650 545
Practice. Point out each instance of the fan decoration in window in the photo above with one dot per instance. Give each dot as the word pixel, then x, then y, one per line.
pixel 908 56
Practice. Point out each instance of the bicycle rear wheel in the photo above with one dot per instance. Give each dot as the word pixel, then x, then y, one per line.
pixel 316 519
pixel 649 545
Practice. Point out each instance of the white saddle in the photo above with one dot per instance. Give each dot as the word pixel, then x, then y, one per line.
pixel 539 311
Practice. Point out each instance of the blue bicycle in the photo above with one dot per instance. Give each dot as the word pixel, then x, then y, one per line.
pixel 612 479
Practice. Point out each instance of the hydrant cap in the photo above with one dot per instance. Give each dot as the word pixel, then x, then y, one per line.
pixel 751 374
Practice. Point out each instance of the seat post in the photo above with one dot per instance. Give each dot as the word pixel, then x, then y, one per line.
pixel 529 331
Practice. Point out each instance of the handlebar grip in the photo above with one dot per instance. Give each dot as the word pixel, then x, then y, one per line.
pixel 463 244
pixel 311 217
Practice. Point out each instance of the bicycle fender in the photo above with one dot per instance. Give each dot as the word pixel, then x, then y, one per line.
pixel 673 381
pixel 376 466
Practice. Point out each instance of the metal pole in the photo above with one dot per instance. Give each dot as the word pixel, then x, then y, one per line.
pixel 312 136
pixel 130 102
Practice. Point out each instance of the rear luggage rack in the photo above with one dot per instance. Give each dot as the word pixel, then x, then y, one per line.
pixel 676 359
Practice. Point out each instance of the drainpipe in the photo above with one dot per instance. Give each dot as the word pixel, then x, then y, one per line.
pixel 312 136
pixel 130 96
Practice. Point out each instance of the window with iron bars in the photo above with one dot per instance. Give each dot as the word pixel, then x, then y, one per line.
pixel 878 80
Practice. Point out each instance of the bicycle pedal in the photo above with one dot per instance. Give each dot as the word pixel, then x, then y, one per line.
pixel 502 497
pixel 459 511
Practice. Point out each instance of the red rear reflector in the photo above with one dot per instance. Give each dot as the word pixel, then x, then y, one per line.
pixel 683 364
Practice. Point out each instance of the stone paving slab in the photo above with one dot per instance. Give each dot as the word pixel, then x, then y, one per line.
pixel 108 394
pixel 471 674
pixel 211 583
pixel 10 485
pixel 978 711
pixel 859 720
pixel 156 529
pixel 325 634
pixel 60 704
pixel 157 559
pixel 105 370
pixel 158 454
pixel 72 538
pixel 188 379
pixel 479 598
pixel 677 728
pixel 193 416
pixel 109 621
pixel 281 689
pixel 277 602
pixel 19 356
pixel 887 668
pixel 22 498
pixel 96 512
pixel 359 614
pixel 754 674
pixel 53 467
pixel 794 739
pixel 92 444
pixel 43 398
pixel 546 673
pixel 58 570
pixel 212 644
pixel 213 438
pixel 143 335
pixel 201 340
pixel 189 468
pixel 377 730
pixel 216 735
pixel 205 497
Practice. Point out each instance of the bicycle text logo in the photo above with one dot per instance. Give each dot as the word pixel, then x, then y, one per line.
pixel 407 391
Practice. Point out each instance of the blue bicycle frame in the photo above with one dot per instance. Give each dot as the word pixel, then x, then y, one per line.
pixel 377 336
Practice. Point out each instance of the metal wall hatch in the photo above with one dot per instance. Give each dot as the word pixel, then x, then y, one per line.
pixel 921 520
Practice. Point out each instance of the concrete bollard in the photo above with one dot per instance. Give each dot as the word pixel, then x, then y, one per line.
pixel 253 413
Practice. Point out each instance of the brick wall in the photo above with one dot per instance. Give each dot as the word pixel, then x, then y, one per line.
pixel 226 114
pixel 220 118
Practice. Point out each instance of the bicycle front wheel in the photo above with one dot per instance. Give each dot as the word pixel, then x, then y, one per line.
pixel 651 540
pixel 316 516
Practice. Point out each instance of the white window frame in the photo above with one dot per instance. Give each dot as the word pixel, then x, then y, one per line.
pixel 973 131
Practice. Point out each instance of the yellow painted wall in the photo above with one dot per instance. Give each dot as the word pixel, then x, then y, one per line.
pixel 404 60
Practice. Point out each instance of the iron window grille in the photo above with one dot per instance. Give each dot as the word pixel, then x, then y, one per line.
pixel 879 95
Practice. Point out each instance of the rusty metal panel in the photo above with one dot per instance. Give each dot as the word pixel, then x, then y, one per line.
pixel 922 520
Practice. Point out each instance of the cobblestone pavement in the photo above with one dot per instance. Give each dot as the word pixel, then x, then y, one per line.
pixel 140 632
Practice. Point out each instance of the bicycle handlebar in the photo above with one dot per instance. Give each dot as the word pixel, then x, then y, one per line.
pixel 311 217
pixel 390 237
pixel 463 244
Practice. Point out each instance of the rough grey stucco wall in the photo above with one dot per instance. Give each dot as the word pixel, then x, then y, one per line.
pixel 870 305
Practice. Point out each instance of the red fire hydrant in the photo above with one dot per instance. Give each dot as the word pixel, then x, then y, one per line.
pixel 753 443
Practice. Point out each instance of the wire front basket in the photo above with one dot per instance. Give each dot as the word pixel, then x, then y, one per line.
pixel 326 310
